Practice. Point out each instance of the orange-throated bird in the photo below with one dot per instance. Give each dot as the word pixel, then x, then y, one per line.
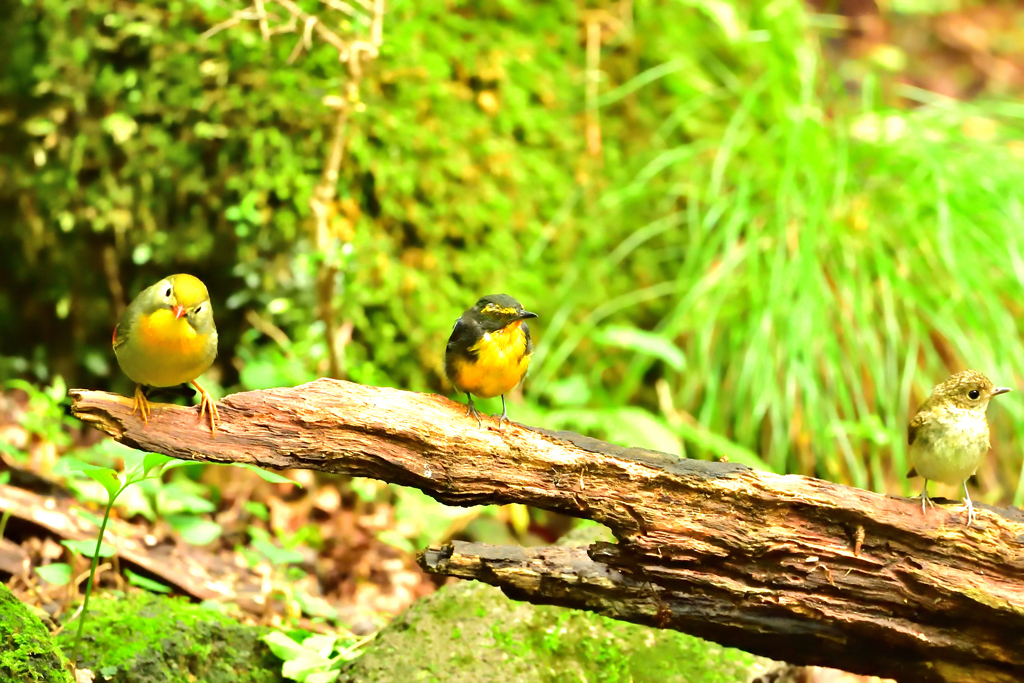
pixel 167 337
pixel 489 350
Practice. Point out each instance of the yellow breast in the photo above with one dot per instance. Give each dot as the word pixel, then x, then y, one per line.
pixel 501 363
pixel 164 351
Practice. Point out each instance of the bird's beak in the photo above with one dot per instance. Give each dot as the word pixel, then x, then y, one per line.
pixel 526 314
pixel 180 311
pixel 1000 390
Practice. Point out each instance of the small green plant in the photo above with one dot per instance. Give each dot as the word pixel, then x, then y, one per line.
pixel 317 658
pixel 138 467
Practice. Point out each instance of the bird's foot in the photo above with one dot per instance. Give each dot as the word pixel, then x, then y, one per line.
pixel 206 404
pixel 471 410
pixel 925 500
pixel 504 414
pixel 502 417
pixel 968 507
pixel 141 404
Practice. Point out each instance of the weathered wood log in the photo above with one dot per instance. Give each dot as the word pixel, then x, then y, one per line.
pixel 790 567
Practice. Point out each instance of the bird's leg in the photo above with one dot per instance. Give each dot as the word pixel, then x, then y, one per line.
pixel 141 404
pixel 206 404
pixel 925 498
pixel 471 410
pixel 968 506
pixel 504 413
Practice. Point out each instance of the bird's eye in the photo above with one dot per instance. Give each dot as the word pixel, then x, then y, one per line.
pixel 973 394
pixel 167 292
pixel 199 309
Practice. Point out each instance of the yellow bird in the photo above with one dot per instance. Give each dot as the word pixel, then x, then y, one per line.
pixel 167 337
pixel 489 350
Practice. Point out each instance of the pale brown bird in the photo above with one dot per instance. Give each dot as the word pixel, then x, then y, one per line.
pixel 948 436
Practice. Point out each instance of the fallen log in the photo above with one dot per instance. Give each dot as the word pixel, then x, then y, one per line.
pixel 793 568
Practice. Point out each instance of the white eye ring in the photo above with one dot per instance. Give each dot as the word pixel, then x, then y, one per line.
pixel 167 292
pixel 199 308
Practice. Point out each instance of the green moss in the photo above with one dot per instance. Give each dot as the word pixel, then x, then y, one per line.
pixel 145 638
pixel 471 632
pixel 27 652
pixel 603 649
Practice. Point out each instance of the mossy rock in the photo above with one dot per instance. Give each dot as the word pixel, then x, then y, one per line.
pixel 470 632
pixel 145 638
pixel 27 652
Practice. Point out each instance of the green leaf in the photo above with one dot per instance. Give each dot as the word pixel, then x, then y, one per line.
pixel 303 665
pixel 16 453
pixel 256 509
pixel 133 466
pixel 88 547
pixel 176 498
pixel 642 341
pixel 321 643
pixel 71 464
pixel 153 460
pixel 174 463
pixel 57 391
pixel 195 530
pixel 272 477
pixel 108 479
pixel 146 583
pixel 283 647
pixel 275 555
pixel 315 607
pixel 58 573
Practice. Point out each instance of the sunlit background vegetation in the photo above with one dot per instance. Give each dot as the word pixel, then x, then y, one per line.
pixel 746 233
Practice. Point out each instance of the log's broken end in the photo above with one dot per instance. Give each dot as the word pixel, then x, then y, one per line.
pixel 96 408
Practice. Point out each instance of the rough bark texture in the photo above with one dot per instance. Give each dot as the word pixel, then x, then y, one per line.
pixel 792 568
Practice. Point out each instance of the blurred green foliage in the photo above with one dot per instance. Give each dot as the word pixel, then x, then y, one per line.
pixel 763 261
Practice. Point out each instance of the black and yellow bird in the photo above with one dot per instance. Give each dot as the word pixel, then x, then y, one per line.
pixel 489 350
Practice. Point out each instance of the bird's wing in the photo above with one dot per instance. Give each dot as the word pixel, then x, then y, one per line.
pixel 918 420
pixel 462 333
pixel 120 334
pixel 915 424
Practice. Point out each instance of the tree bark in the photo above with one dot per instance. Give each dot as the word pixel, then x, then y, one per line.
pixel 789 567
